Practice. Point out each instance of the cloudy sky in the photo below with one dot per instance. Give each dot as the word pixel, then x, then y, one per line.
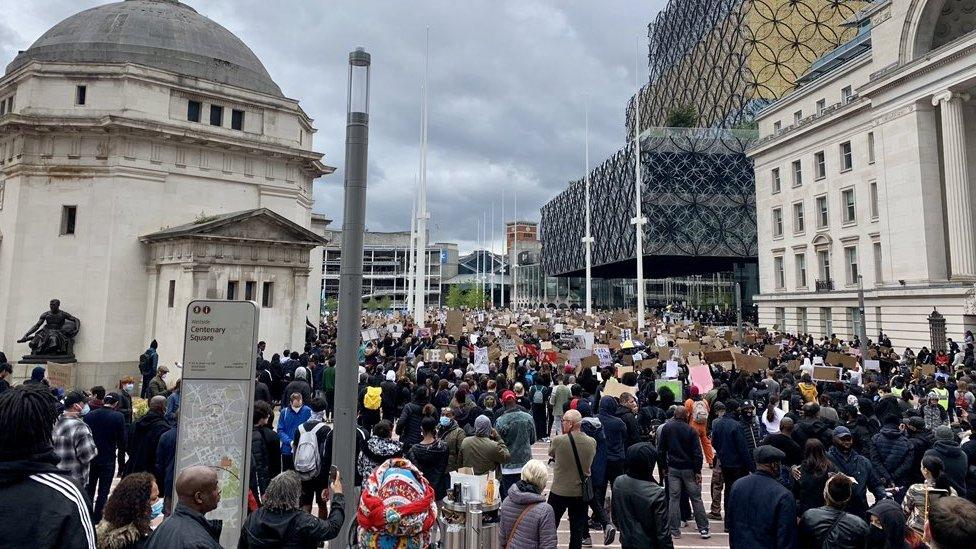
pixel 508 84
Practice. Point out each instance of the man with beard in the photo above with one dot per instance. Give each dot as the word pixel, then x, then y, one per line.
pixel 761 513
pixel 858 467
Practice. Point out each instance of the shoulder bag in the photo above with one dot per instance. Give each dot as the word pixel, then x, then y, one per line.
pixel 586 483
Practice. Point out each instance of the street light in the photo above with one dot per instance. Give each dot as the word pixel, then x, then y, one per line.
pixel 351 270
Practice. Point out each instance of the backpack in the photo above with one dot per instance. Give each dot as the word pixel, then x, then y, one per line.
pixel 538 395
pixel 145 364
pixel 308 458
pixel 373 398
pixel 699 411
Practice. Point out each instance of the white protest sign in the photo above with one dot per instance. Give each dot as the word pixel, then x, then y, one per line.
pixel 872 365
pixel 219 354
pixel 481 360
pixel 671 369
pixel 606 357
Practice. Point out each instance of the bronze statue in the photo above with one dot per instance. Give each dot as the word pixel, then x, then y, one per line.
pixel 55 340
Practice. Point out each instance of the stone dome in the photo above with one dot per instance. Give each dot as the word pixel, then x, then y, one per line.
pixel 162 34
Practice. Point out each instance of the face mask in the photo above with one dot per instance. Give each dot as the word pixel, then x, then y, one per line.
pixel 129 387
pixel 876 536
pixel 445 421
pixel 85 410
pixel 157 509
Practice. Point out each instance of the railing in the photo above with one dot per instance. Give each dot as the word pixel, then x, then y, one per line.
pixel 824 285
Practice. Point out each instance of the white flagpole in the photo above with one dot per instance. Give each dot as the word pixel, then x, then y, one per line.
pixel 505 251
pixel 638 220
pixel 491 298
pixel 410 257
pixel 420 311
pixel 588 237
pixel 515 298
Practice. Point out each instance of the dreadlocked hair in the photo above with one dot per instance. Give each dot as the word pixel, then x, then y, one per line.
pixel 27 416
pixel 283 492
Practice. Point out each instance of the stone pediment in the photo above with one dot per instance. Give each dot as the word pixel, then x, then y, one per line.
pixel 258 225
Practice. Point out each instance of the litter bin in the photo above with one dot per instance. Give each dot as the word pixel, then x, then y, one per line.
pixel 472 525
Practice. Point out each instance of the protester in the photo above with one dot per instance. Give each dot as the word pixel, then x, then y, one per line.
pixel 526 520
pixel 810 477
pixel 951 524
pixel 148 367
pixel 135 502
pixel 300 385
pixel 892 453
pixel 144 441
pixel 290 418
pixel 108 432
pixel 312 451
pixel 919 497
pixel 485 451
pixel 452 434
pixel 887 527
pixel 954 461
pixel 518 430
pixel 640 506
pixel 42 506
pixel 859 468
pixel 829 525
pixel 198 493
pixel 6 371
pixel 281 521
pixel 680 446
pixel 260 476
pixel 73 441
pixel 572 453
pixel 408 426
pixel 378 448
pixel 430 455
pixel 698 411
pixel 732 451
pixel 157 386
pixel 760 512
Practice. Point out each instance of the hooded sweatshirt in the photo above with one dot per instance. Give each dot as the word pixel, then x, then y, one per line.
pixel 955 462
pixel 614 429
pixel 376 451
pixel 593 428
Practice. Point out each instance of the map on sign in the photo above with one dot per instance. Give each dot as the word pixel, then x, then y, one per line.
pixel 212 413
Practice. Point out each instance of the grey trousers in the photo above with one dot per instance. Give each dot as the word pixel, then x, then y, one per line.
pixel 686 478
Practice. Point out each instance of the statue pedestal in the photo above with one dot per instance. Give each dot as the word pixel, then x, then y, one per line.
pixel 87 374
pixel 44 359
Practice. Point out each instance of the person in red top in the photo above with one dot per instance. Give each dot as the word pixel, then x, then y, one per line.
pixel 697 408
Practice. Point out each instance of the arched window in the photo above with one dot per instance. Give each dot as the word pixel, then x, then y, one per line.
pixel 932 24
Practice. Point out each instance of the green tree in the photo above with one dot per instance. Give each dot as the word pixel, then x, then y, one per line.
pixel 455 297
pixel 372 304
pixel 475 298
pixel 331 304
pixel 384 303
pixel 682 116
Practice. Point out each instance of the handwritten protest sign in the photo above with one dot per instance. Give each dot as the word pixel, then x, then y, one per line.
pixel 614 388
pixel 701 377
pixel 842 359
pixel 826 373
pixel 715 357
pixel 771 351
pixel 604 354
pixel 61 375
pixel 751 364
pixel 481 360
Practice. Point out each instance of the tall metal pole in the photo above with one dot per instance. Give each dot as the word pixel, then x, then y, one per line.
pixel 491 298
pixel 738 311
pixel 587 238
pixel 515 292
pixel 411 259
pixel 862 330
pixel 506 253
pixel 420 311
pixel 638 219
pixel 351 270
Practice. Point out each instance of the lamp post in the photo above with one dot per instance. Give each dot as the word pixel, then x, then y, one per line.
pixel 351 269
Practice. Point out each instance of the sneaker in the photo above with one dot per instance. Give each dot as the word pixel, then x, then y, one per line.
pixel 704 533
pixel 676 535
pixel 715 516
pixel 609 534
pixel 587 542
pixel 684 524
pixel 593 525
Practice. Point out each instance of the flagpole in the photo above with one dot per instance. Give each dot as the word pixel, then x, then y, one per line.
pixel 505 252
pixel 492 245
pixel 419 312
pixel 588 237
pixel 410 257
pixel 638 219
pixel 515 260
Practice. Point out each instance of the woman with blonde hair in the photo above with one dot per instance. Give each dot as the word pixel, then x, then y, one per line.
pixel 527 520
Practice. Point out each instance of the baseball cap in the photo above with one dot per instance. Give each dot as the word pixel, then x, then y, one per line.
pixel 769 454
pixel 842 432
pixel 74 397
pixel 110 398
pixel 508 396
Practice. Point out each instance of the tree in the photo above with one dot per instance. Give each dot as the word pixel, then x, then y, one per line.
pixel 372 304
pixel 682 116
pixel 475 298
pixel 331 304
pixel 384 303
pixel 455 297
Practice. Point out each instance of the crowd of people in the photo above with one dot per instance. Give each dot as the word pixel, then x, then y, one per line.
pixel 880 457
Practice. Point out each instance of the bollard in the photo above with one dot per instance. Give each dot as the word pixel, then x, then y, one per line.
pixel 472 525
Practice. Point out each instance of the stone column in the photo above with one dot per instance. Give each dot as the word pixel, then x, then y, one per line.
pixel 959 213
pixel 299 301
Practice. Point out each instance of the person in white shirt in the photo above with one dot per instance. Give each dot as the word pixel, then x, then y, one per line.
pixel 772 415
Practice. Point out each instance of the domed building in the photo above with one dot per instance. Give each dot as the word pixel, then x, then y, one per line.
pixel 147 159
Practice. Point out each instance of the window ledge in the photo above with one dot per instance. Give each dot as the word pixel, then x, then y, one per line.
pixel 821 178
pixel 874 219
pixel 847 170
pixel 849 223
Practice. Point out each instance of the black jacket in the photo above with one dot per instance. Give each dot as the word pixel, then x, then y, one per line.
pixel 272 446
pixel 299 386
pixel 785 444
pixel 681 444
pixel 261 392
pixel 42 507
pixel 955 462
pixel 633 429
pixel 816 428
pixel 186 529
pixel 142 444
pixel 640 511
pixel 761 513
pixel 432 462
pixel 809 488
pixel 408 426
pixel 259 464
pixel 829 527
pixel 108 430
pixel 296 529
pixel 891 455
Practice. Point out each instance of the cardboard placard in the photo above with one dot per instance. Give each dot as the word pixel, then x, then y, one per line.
pixel 701 377
pixel 771 351
pixel 603 352
pixel 826 373
pixel 674 385
pixel 507 345
pixel 671 369
pixel 793 365
pixel 690 347
pixel 454 323
pixel 61 375
pixel 591 361
pixel 433 355
pixel 847 361
pixel 614 388
pixel 715 357
pixel 648 363
pixel 872 365
pixel 750 363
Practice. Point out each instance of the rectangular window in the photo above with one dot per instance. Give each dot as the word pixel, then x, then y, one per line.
pixel 777 183
pixel 847 202
pixel 69 215
pixel 781 318
pixel 236 119
pixel 3 106
pixel 171 296
pixel 10 104
pixel 823 264
pixel 797 116
pixel 267 295
pixel 821 106
pixel 823 217
pixel 250 288
pixel 193 111
pixel 797 173
pixel 800 263
pixel 778 272
pixel 819 165
pixel 777 222
pixel 873 187
pixel 878 277
pixel 854 320
pixel 845 94
pixel 850 264
pixel 801 320
pixel 80 94
pixel 231 289
pixel 777 126
pixel 216 115
pixel 798 217
pixel 826 321
pixel 846 157
pixel 871 147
